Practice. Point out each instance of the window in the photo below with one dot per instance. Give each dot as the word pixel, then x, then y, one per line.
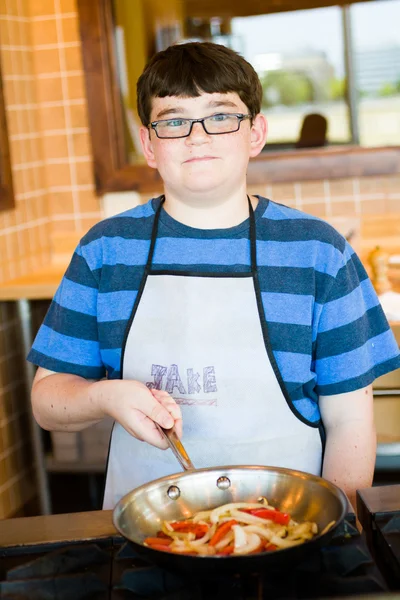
pixel 376 45
pixel 299 57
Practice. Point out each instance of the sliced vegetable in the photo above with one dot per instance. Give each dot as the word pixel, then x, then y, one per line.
pixel 272 515
pixel 151 541
pixel 238 528
pixel 222 531
pixel 227 550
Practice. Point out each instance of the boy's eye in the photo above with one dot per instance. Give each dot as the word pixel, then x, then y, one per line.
pixel 174 123
pixel 219 118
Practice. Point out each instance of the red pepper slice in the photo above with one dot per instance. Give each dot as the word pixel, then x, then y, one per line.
pixel 221 531
pixel 189 527
pixel 272 515
pixel 227 550
pixel 158 541
pixel 270 547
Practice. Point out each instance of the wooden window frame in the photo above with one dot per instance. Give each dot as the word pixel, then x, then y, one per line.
pixel 112 173
pixel 6 184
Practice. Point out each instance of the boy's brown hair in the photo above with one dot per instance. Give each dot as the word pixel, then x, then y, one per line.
pixel 188 70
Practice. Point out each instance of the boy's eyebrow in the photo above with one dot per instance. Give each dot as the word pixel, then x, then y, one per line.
pixel 212 104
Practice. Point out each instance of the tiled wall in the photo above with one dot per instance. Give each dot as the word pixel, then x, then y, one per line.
pixel 54 191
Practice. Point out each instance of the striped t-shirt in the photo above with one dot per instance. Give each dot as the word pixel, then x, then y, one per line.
pixel 327 330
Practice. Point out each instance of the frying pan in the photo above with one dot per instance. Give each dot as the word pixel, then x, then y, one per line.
pixel 140 513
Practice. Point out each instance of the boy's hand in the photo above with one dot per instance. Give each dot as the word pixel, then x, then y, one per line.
pixel 137 409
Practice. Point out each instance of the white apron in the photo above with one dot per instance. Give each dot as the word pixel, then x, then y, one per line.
pixel 203 338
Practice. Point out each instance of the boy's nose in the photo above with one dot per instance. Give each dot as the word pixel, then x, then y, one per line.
pixel 198 133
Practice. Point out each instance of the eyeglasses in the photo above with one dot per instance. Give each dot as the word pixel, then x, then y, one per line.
pixel 213 125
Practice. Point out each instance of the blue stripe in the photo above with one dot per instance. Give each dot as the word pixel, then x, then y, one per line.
pixel 112 357
pixel 308 409
pixel 306 254
pixel 115 306
pixel 347 309
pixel 351 336
pixel 116 250
pixel 356 362
pixel 287 308
pixel 59 366
pixel 290 338
pixel 73 296
pixel 356 383
pixel 294 367
pixel 196 251
pixel 68 349
pixel 71 323
pixel 279 212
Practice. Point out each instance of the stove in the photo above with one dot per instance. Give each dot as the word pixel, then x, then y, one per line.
pixel 109 568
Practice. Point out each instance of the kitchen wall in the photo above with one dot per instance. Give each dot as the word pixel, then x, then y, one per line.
pixel 55 202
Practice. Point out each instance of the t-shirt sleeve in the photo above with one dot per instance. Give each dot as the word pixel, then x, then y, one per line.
pixel 353 341
pixel 67 341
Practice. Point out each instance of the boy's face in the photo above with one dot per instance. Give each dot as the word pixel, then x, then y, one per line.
pixel 203 163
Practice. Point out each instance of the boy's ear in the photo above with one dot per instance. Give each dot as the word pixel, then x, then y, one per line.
pixel 147 146
pixel 258 134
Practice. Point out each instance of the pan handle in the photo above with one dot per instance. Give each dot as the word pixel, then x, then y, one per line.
pixel 177 447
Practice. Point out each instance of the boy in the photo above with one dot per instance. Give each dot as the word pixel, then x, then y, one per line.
pixel 253 322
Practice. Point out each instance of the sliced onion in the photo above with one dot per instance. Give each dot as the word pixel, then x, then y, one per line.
pixel 239 537
pixel 249 519
pixel 221 510
pixel 253 542
pixel 226 540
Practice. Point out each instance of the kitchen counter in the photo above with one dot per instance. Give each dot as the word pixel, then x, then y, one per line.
pixel 98 524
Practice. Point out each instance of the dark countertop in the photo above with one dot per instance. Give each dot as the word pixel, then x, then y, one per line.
pixel 98 524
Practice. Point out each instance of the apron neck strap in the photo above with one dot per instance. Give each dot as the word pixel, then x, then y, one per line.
pixel 253 255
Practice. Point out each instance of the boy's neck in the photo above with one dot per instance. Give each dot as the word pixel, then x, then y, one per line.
pixel 210 212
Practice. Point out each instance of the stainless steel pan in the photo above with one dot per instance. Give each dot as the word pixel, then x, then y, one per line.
pixel 140 513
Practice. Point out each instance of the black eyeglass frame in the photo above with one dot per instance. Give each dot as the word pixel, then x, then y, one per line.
pixel 240 117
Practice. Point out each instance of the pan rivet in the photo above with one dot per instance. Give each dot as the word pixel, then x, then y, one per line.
pixel 223 483
pixel 174 492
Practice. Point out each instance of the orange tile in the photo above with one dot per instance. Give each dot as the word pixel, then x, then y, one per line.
pixel 53 118
pixel 372 185
pixel 81 144
pixel 373 207
pixel 64 226
pixel 42 8
pixel 10 92
pixel 70 29
pixel 6 55
pixel 393 205
pixel 89 202
pixel 84 173
pixel 68 6
pixel 46 60
pixel 339 208
pixel 55 146
pixel 281 192
pixel 311 190
pixel 13 120
pixel 340 187
pixel 317 209
pixel 76 87
pixel 58 175
pixel 393 184
pixel 44 32
pixel 5 37
pixel 73 59
pixel 50 90
pixel 61 203
pixel 78 115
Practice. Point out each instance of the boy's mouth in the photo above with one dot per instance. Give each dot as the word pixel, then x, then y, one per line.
pixel 200 158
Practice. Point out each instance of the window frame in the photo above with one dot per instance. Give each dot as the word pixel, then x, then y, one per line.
pixel 111 171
